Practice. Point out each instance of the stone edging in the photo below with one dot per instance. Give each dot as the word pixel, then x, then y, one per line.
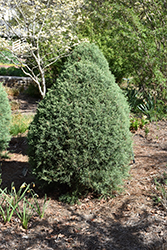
pixel 15 81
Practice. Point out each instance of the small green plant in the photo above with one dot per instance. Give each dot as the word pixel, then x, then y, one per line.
pixel 30 205
pixel 4 155
pixel 161 187
pixel 154 109
pixel 20 123
pixel 134 98
pixel 146 131
pixel 137 122
pixel 36 205
pixel 10 201
pixel 25 212
pixel 22 203
pixel 134 124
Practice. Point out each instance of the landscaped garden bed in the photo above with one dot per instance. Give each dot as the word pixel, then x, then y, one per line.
pixel 131 220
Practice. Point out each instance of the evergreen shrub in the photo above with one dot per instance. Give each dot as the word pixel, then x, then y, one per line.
pixel 11 71
pixel 79 139
pixel 85 52
pixel 5 118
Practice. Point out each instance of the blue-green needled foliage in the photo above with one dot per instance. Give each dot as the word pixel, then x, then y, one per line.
pixel 5 118
pixel 79 140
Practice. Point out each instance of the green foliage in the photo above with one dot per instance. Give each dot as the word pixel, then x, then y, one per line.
pixel 23 203
pixel 79 139
pixel 52 73
pixel 5 118
pixel 99 27
pixel 134 98
pixel 11 71
pixel 132 36
pixel 20 123
pixel 137 122
pixel 146 131
pixel 161 187
pixel 85 52
pixel 152 108
pixel 9 202
pixel 4 155
pixel 9 58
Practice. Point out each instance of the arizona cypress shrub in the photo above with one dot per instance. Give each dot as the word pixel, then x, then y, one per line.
pixel 5 117
pixel 80 135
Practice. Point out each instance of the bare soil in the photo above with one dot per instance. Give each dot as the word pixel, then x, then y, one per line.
pixel 130 221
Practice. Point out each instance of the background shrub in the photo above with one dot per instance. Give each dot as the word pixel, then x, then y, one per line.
pixel 79 139
pixel 5 117
pixel 11 71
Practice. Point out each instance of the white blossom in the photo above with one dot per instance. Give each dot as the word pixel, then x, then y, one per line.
pixel 44 28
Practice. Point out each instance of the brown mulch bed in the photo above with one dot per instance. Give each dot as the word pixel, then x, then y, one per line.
pixel 130 221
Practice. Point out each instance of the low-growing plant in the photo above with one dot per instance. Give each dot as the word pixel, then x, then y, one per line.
pixel 12 91
pixel 4 155
pixel 137 122
pixel 22 203
pixel 20 123
pixel 10 201
pixel 146 131
pixel 36 206
pixel 134 98
pixel 25 212
pixel 153 108
pixel 161 187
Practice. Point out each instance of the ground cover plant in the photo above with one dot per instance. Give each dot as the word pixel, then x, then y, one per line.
pixel 5 118
pixel 22 203
pixel 79 139
pixel 20 123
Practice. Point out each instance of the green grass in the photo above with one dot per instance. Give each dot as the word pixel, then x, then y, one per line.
pixel 20 123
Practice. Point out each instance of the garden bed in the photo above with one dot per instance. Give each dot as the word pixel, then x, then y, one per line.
pixel 129 221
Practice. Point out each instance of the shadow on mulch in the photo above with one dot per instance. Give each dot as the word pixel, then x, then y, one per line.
pixel 16 168
pixel 14 171
pixel 18 145
pixel 108 235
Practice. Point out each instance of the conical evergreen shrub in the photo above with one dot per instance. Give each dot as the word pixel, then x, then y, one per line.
pixel 88 52
pixel 80 138
pixel 5 118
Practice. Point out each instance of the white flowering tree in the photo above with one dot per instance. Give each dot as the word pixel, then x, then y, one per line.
pixel 43 30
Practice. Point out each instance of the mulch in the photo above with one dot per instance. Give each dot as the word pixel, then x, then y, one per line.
pixel 130 221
